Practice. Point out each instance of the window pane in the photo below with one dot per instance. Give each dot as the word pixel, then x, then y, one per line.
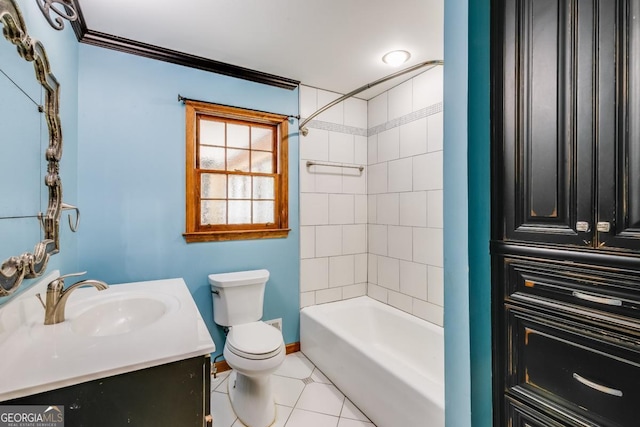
pixel 261 138
pixel 211 133
pixel 213 212
pixel 213 186
pixel 211 158
pixel 263 212
pixel 237 136
pixel 235 173
pixel 262 161
pixel 239 187
pixel 238 160
pixel 239 212
pixel 263 187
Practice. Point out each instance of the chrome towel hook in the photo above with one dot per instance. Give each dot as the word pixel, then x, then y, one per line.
pixel 72 226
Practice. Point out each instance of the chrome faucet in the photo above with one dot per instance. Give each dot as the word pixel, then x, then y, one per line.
pixel 57 296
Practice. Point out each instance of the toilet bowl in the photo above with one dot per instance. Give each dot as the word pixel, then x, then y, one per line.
pixel 249 384
pixel 253 349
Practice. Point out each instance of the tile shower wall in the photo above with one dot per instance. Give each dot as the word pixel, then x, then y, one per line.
pixel 333 200
pixel 379 232
pixel 405 227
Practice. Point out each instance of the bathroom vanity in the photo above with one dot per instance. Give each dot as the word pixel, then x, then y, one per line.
pixel 134 354
pixel 174 394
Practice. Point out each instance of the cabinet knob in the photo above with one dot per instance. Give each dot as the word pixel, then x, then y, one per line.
pixel 603 226
pixel 582 226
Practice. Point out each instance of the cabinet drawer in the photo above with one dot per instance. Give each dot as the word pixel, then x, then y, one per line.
pixel 598 293
pixel 521 415
pixel 573 369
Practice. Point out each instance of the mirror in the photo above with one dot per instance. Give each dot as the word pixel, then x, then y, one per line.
pixel 21 213
pixel 22 159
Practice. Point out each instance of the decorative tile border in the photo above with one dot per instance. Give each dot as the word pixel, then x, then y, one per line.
pixel 408 118
pixel 352 130
pixel 333 127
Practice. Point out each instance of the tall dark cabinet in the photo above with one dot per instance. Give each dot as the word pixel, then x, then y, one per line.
pixel 566 212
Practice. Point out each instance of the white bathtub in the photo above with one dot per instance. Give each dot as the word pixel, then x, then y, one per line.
pixel 388 363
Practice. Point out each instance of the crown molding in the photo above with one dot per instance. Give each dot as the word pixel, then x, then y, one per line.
pixel 121 44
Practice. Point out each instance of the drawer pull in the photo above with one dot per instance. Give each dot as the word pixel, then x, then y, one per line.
pixel 600 300
pixel 598 387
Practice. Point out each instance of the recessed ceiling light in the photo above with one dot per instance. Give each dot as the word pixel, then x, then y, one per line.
pixel 396 57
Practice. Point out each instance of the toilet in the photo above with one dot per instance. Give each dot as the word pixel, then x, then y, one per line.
pixel 254 350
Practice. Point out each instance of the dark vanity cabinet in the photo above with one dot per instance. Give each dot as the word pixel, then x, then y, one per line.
pixel 176 394
pixel 566 212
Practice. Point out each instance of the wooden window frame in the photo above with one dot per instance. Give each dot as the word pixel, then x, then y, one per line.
pixel 195 232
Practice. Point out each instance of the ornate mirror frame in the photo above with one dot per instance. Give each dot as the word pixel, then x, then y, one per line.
pixel 29 265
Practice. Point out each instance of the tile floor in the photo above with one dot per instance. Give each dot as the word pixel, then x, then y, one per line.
pixel 304 398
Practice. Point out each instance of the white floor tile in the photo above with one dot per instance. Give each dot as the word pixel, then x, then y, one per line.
pixel 345 422
pixel 295 365
pixel 323 398
pixel 301 354
pixel 223 415
pixel 349 410
pixel 318 404
pixel 286 391
pixel 282 415
pixel 300 418
pixel 217 382
pixel 319 377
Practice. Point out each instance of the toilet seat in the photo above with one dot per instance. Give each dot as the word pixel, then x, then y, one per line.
pixel 255 341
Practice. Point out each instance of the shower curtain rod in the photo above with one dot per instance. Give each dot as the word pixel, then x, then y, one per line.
pixel 431 63
pixel 184 99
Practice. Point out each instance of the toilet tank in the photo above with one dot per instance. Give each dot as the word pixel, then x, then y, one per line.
pixel 238 297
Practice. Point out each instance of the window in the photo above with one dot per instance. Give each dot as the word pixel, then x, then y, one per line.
pixel 236 166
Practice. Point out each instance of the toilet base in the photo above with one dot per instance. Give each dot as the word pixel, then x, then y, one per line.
pixel 252 399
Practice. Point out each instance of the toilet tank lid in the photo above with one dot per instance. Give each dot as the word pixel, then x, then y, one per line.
pixel 238 278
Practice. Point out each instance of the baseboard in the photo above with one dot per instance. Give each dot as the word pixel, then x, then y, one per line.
pixel 293 347
pixel 220 366
pixel 223 366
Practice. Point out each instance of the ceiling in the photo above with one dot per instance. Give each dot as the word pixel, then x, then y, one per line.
pixel 335 45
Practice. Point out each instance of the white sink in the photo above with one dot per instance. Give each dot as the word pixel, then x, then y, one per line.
pixel 119 316
pixel 126 327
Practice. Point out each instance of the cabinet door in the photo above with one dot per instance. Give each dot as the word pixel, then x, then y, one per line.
pixel 618 210
pixel 177 394
pixel 544 121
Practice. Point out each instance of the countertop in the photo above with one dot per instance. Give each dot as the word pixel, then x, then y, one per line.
pixel 37 357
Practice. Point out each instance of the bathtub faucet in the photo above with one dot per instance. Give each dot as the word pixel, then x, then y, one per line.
pixel 57 296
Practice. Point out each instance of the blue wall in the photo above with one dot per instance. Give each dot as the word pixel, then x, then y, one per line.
pixel 456 262
pixel 131 168
pixel 467 212
pixel 479 161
